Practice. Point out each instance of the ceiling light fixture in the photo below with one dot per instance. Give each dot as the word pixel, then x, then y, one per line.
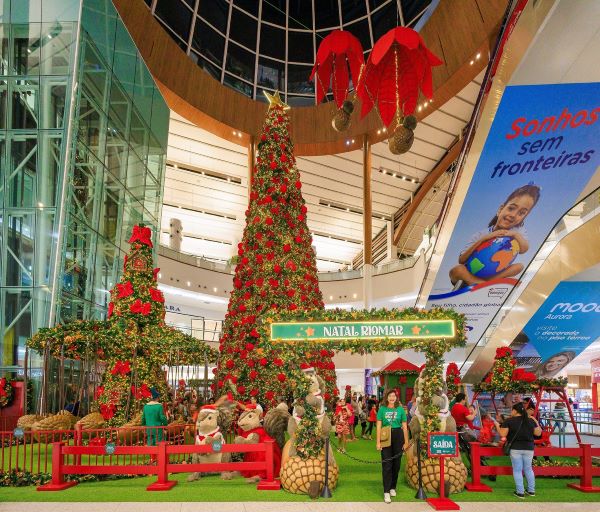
pixel 399 175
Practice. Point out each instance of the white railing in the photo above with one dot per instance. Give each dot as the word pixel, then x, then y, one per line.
pixel 336 275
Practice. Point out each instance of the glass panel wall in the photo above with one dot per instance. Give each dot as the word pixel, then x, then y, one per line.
pixel 79 166
pixel 118 164
pixel 36 70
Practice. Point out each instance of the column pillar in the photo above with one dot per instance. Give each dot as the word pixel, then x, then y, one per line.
pixel 175 234
pixel 389 240
pixel 251 159
pixel 367 223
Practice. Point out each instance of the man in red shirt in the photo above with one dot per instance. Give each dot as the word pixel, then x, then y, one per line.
pixel 463 415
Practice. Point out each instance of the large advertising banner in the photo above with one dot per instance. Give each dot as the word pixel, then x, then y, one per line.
pixel 541 151
pixel 564 326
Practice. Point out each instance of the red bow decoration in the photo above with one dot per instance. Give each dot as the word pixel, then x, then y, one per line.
pixel 111 308
pixel 503 352
pixel 522 375
pixel 142 235
pixel 156 295
pixel 155 273
pixel 140 307
pixel 99 392
pixel 121 367
pixel 125 289
pixel 452 369
pixel 107 411
pixel 142 392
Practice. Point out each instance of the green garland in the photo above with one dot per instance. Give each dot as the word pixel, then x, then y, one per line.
pixel 408 373
pixel 358 346
pixel 521 387
pixel 6 392
pixel 308 438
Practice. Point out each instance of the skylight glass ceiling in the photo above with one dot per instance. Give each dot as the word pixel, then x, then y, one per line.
pixel 256 45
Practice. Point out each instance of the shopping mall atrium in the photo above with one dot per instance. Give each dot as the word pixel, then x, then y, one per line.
pixel 299 254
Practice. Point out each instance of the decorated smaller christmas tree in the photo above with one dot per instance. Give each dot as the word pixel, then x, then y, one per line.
pixel 502 370
pixel 452 380
pixel 134 343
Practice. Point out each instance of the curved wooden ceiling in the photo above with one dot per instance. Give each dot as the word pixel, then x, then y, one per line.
pixel 456 31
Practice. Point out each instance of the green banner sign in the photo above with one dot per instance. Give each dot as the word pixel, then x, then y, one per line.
pixel 363 330
pixel 442 444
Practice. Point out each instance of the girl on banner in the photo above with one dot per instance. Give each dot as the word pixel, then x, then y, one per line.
pixel 508 222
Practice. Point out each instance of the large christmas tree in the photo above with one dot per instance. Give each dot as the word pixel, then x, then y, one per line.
pixel 276 272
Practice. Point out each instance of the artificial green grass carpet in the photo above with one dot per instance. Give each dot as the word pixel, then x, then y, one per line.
pixel 358 482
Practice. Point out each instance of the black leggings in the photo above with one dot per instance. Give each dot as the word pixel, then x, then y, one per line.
pixel 370 426
pixel 391 468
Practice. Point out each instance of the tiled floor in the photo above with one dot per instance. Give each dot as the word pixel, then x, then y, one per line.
pixel 317 506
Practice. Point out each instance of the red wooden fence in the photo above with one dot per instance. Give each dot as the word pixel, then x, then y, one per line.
pixel 32 452
pixel 65 462
pixel 585 471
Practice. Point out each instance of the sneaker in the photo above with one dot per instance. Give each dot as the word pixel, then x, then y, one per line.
pixel 393 493
pixel 530 493
pixel 386 497
pixel 522 496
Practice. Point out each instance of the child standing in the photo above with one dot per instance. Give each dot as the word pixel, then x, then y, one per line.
pixel 486 433
pixel 342 425
pixel 372 419
pixel 508 221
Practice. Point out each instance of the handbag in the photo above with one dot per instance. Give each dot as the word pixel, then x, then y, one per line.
pixel 508 445
pixel 385 437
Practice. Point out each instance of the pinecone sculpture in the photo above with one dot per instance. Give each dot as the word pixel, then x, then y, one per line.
pixel 64 420
pixel 128 434
pixel 91 421
pixel 455 474
pixel 26 422
pixel 297 474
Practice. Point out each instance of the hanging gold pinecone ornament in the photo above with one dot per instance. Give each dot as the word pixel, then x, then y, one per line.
pixel 341 119
pixel 403 136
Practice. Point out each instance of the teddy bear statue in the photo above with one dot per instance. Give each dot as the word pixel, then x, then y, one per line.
pixel 213 421
pixel 253 428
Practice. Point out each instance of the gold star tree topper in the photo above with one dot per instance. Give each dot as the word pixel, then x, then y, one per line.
pixel 275 100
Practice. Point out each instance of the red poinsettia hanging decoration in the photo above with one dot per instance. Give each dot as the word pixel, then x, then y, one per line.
pixel 338 51
pixel 398 67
